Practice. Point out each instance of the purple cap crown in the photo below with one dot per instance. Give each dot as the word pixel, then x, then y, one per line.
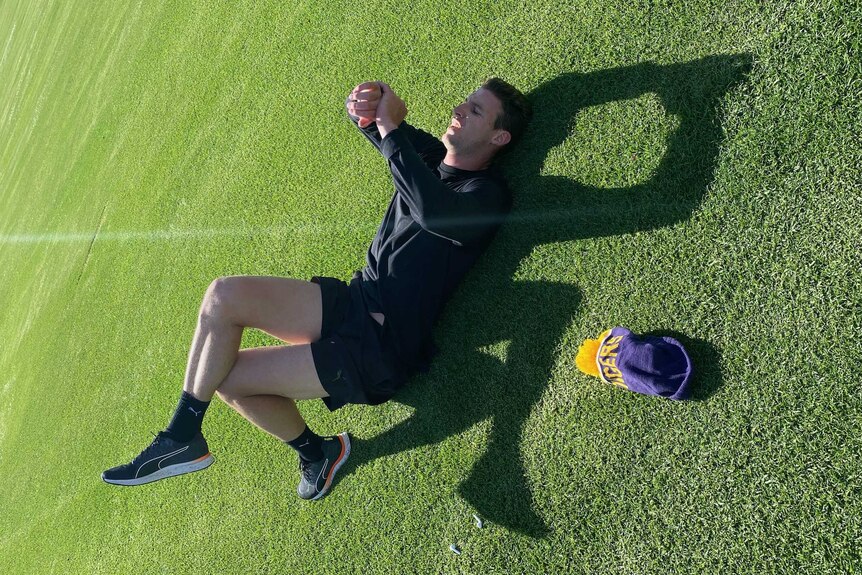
pixel 644 364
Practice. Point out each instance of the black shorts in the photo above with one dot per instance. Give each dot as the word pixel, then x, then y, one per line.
pixel 354 357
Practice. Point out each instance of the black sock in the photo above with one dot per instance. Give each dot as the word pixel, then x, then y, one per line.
pixel 187 418
pixel 308 445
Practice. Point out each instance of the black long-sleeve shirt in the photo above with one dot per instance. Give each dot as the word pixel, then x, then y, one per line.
pixel 438 223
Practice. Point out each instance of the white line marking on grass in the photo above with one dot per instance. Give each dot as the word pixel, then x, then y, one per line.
pixel 158 235
pixel 522 217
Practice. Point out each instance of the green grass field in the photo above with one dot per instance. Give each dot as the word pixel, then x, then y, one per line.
pixel 693 169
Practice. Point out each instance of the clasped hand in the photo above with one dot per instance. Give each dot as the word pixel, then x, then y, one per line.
pixel 372 102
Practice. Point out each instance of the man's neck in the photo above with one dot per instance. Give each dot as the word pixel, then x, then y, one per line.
pixel 471 164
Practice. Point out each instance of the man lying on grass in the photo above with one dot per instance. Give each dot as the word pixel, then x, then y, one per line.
pixel 358 342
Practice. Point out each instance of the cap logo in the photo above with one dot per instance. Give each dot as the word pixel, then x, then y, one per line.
pixel 606 360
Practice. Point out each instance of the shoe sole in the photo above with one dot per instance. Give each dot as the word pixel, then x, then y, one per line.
pixel 345 453
pixel 169 471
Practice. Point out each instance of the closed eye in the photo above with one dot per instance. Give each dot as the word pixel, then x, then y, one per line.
pixel 473 108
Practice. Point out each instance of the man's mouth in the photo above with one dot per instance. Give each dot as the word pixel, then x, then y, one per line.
pixel 455 124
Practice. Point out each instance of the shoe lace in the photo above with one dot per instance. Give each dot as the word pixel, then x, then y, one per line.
pixel 152 447
pixel 307 470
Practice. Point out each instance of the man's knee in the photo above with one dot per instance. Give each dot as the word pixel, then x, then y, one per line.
pixel 218 297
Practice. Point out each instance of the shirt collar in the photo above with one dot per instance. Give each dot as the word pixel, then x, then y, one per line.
pixel 447 171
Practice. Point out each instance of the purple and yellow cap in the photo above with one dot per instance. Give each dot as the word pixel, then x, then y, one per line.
pixel 645 364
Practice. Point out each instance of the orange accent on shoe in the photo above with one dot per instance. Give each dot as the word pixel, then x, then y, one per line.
pixel 337 459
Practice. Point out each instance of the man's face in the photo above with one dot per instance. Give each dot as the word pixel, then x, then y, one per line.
pixel 472 126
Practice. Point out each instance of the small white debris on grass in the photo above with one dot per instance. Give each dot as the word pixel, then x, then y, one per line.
pixel 479 523
pixel 454 549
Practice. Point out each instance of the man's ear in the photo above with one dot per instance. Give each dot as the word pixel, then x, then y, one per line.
pixel 501 138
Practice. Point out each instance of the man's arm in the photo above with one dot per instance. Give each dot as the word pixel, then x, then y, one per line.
pixel 361 105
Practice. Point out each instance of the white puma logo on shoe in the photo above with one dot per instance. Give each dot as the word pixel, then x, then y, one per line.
pixel 161 459
pixel 195 412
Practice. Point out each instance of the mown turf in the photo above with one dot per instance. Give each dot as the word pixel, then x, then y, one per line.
pixel 692 170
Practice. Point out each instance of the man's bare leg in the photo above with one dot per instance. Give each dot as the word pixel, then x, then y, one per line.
pixel 273 414
pixel 257 385
pixel 288 309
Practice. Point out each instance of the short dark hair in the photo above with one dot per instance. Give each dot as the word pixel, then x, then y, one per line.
pixel 517 110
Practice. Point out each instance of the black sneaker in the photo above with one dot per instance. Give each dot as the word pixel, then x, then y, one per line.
pixel 165 457
pixel 317 476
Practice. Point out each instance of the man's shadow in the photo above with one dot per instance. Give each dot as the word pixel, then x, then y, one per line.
pixel 466 385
